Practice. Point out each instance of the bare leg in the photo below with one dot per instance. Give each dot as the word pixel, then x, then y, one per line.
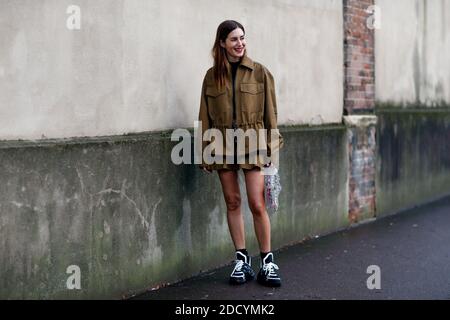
pixel 254 181
pixel 232 195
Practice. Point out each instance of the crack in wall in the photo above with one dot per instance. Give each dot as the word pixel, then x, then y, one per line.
pixel 144 221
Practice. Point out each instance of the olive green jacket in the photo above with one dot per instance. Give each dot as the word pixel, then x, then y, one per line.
pixel 256 105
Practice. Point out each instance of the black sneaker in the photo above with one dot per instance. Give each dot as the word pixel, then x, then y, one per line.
pixel 242 271
pixel 268 275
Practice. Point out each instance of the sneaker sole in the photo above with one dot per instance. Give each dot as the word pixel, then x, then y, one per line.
pixel 269 284
pixel 248 278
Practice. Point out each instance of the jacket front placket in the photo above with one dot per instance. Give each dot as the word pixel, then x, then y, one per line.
pixel 234 119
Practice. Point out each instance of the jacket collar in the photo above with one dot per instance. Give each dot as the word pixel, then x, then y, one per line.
pixel 247 62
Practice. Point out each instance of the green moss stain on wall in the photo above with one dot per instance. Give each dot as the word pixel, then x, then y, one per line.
pixel 118 208
pixel 414 156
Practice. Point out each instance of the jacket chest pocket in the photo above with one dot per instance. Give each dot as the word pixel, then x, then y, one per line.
pixel 217 102
pixel 252 97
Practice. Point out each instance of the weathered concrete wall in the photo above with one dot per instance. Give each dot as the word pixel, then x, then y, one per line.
pixel 412 49
pixel 412 74
pixel 138 65
pixel 413 157
pixel 116 206
pixel 130 219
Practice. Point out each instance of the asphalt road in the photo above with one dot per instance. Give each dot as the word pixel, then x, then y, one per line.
pixel 411 249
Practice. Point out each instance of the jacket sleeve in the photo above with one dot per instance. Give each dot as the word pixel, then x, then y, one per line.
pixel 271 114
pixel 205 123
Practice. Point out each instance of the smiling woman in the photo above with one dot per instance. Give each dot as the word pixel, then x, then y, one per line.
pixel 234 45
pixel 238 94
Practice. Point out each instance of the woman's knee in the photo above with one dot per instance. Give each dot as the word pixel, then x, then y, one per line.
pixel 233 202
pixel 257 208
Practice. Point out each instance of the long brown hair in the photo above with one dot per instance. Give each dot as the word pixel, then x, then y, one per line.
pixel 219 53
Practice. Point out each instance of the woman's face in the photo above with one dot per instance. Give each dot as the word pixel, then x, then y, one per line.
pixel 234 45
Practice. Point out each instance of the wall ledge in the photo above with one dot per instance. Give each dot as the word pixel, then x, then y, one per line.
pixel 360 121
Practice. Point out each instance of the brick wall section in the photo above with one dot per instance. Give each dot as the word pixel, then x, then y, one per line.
pixel 362 157
pixel 359 58
pixel 359 103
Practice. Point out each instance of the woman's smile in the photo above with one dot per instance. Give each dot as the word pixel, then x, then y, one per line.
pixel 234 45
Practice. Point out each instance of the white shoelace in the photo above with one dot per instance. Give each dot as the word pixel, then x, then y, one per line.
pixel 238 266
pixel 271 267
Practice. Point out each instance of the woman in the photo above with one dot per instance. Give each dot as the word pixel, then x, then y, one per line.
pixel 238 93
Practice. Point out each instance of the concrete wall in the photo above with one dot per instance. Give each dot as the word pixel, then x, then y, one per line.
pixel 412 51
pixel 413 158
pixel 138 65
pixel 118 208
pixel 412 75
pixel 131 220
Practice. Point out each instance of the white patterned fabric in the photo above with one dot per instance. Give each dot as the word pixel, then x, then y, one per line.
pixel 272 188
